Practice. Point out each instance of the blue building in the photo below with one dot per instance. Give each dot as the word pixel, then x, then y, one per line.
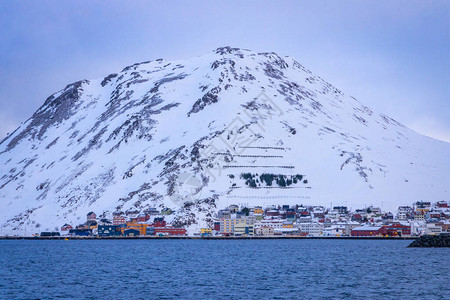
pixel 109 230
pixel 131 232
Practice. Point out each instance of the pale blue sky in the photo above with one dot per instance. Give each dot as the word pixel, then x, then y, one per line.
pixel 392 55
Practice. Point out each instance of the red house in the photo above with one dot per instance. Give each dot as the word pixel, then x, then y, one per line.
pixel 169 230
pixel 143 218
pixel 433 215
pixel 446 214
pixel 159 222
pixel 368 231
pixel 319 215
pixel 217 226
pixel 272 213
pixel 442 204
pixel 357 217
pixel 397 229
pixel 305 214
pixel 66 227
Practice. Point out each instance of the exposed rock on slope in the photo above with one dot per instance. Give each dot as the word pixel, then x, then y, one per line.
pixel 181 134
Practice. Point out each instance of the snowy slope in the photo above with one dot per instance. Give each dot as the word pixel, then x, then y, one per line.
pixel 181 134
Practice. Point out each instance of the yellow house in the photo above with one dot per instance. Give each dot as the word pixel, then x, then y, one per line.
pixel 258 211
pixel 142 227
pixel 423 210
pixel 206 231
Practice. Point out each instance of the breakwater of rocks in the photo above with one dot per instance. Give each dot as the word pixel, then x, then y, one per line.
pixel 442 240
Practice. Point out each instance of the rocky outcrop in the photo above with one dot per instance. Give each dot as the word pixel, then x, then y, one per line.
pixel 442 240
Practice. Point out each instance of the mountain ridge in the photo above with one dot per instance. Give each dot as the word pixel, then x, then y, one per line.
pixel 171 134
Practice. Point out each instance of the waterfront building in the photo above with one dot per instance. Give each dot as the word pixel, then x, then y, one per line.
pixel 264 231
pixel 398 229
pixel 169 230
pixel 227 226
pixel 134 224
pixel 243 229
pixel 131 232
pixel 205 231
pixel 331 231
pixel 286 231
pixel 109 230
pixel 368 231
pixel 311 228
pixel 433 229
pixel 274 223
pixel 418 228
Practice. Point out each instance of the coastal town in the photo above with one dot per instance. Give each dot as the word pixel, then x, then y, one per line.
pixel 422 218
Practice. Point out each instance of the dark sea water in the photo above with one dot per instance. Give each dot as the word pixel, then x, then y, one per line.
pixel 224 269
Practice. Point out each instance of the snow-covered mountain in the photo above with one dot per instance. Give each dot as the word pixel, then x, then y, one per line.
pixel 232 126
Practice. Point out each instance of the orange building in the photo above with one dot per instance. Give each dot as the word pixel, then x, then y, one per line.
pixel 142 227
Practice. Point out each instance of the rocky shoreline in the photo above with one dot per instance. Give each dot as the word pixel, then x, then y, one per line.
pixel 442 240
